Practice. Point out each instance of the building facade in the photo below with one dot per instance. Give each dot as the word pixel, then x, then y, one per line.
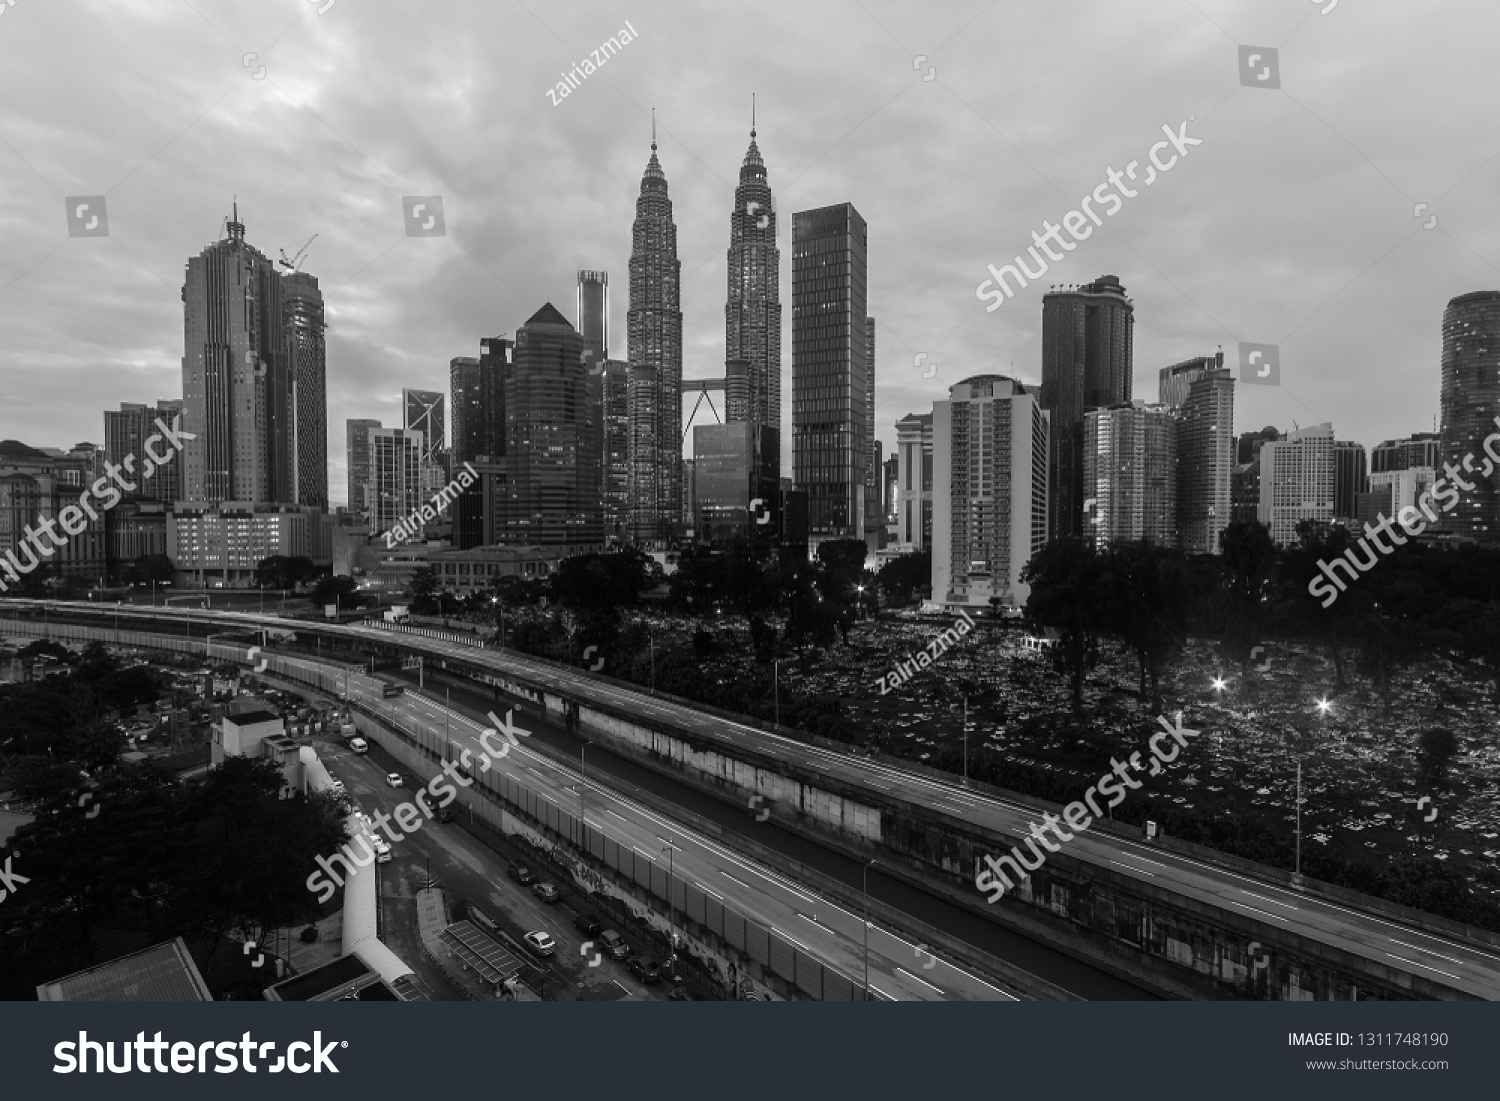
pixel 1087 356
pixel 654 349
pixel 913 493
pixel 394 489
pixel 305 326
pixel 829 362
pixel 1351 477
pixel 752 308
pixel 1470 402
pixel 357 458
pixel 1200 394
pixel 126 431
pixel 989 509
pixel 1130 474
pixel 1296 481
pixel 731 469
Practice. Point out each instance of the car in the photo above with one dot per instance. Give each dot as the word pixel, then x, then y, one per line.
pixel 444 817
pixel 614 944
pixel 648 971
pixel 483 920
pixel 359 745
pixel 541 943
pixel 587 924
pixel 394 779
pixel 545 891
pixel 336 786
pixel 522 874
pixel 383 856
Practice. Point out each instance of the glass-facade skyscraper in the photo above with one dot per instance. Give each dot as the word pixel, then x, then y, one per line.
pixel 829 365
pixel 305 325
pixel 1087 335
pixel 752 310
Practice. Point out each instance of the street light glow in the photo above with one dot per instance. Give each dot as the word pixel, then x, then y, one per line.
pixel 1220 684
pixel 1324 706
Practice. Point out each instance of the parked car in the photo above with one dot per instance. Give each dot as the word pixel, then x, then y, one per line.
pixel 444 817
pixel 336 786
pixel 648 971
pixel 394 779
pixel 614 945
pixel 545 891
pixel 522 874
pixel 483 920
pixel 587 924
pixel 541 943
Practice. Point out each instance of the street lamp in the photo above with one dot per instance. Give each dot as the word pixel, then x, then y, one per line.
pixel 864 876
pixel 670 850
pixel 581 776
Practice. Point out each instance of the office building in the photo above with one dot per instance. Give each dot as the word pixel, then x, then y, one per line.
pixel 394 489
pixel 1130 474
pixel 1296 481
pixel 989 506
pixel 593 315
pixel 1420 449
pixel 305 325
pixel 544 490
pixel 614 419
pixel 126 431
pixel 1470 401
pixel 1200 394
pixel 222 542
pixel 357 460
pixel 913 493
pixel 727 479
pixel 1400 488
pixel 874 510
pixel 1248 449
pixel 1087 342
pixel 476 391
pixel 654 350
pixel 1351 477
pixel 752 310
pixel 1244 493
pixel 829 365
pixel 35 487
pixel 237 378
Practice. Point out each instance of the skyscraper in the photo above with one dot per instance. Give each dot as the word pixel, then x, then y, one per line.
pixel 357 443
pixel 913 500
pixel 1470 403
pixel 1351 477
pixel 545 488
pixel 1087 341
pixel 593 314
pixel 1200 394
pixel 829 365
pixel 989 500
pixel 237 377
pixel 125 433
pixel 1296 481
pixel 1420 449
pixel 305 326
pixel 874 528
pixel 1130 473
pixel 614 417
pixel 466 403
pixel 426 412
pixel 654 349
pixel 394 490
pixel 752 311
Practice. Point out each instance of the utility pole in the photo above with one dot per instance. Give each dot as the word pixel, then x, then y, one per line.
pixel 966 739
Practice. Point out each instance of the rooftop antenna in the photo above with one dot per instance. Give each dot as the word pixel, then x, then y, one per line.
pixel 752 114
pixel 653 129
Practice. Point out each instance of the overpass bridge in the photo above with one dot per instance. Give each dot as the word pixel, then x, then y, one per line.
pixel 1169 917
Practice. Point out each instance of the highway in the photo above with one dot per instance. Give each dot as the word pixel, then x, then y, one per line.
pixel 1463 967
pixel 898 972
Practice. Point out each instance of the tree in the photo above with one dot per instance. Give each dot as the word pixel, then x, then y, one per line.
pixel 1145 596
pixel 343 591
pixel 1065 576
pixel 281 572
pixel 1436 748
pixel 422 588
pixel 1249 560
pixel 1317 543
pixel 905 576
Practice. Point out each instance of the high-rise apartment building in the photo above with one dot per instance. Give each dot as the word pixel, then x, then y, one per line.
pixel 654 349
pixel 913 495
pixel 125 433
pixel 238 380
pixel 989 503
pixel 752 309
pixel 1351 477
pixel 1087 348
pixel 544 490
pixel 357 458
pixel 394 489
pixel 305 326
pixel 1130 474
pixel 1470 404
pixel 1200 394
pixel 874 528
pixel 829 365
pixel 1296 481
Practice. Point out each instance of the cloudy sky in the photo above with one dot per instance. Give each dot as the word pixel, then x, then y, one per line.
pixel 1292 224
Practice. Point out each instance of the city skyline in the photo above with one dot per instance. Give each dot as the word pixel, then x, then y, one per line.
pixel 1360 312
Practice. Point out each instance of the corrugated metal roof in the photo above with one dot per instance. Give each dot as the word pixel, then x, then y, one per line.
pixel 164 973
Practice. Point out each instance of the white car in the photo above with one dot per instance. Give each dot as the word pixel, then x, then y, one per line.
pixel 394 779
pixel 336 786
pixel 541 943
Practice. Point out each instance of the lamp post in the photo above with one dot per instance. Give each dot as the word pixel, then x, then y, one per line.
pixel 670 850
pixel 864 876
pixel 581 776
pixel 966 737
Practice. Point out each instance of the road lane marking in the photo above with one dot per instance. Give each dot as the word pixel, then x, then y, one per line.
pixel 741 882
pixel 919 979
pixel 1414 963
pixel 883 994
pixel 1429 951
pixel 1137 871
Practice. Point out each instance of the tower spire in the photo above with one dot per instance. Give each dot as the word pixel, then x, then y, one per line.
pixel 752 114
pixel 653 129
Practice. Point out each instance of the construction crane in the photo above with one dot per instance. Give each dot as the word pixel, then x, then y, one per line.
pixel 291 265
